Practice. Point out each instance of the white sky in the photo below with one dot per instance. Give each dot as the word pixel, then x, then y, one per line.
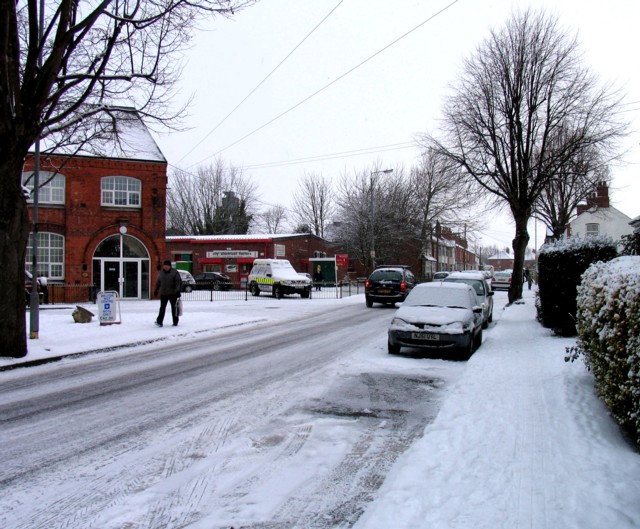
pixel 370 116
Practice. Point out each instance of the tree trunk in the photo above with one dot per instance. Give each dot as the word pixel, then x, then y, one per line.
pixel 519 243
pixel 14 232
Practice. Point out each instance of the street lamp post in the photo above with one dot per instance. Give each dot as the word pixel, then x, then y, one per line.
pixel 373 217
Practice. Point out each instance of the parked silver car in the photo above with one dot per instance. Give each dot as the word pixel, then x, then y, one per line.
pixel 439 316
pixel 482 288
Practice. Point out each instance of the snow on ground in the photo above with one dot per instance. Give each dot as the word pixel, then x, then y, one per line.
pixel 521 439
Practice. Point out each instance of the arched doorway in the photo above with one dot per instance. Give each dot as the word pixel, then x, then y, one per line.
pixel 121 263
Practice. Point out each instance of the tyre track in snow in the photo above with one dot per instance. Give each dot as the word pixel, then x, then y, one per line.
pixel 190 410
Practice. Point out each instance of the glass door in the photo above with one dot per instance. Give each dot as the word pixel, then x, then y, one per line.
pixel 111 276
pixel 131 280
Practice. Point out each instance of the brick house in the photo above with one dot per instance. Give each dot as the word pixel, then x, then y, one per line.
pixel 233 255
pixel 102 217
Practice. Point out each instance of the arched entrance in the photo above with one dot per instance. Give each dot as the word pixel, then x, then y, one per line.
pixel 121 263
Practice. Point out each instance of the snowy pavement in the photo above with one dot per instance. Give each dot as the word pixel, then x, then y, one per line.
pixel 521 439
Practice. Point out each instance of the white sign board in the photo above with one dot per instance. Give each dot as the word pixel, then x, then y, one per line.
pixel 108 307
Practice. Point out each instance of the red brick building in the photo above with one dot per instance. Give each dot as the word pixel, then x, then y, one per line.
pixel 102 218
pixel 233 255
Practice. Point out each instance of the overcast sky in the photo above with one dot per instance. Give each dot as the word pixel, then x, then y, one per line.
pixel 366 77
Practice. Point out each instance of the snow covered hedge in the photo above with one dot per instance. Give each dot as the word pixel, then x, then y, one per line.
pixel 560 269
pixel 609 335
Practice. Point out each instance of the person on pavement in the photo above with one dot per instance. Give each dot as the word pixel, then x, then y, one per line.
pixel 169 286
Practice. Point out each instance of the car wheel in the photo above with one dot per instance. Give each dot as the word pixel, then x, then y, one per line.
pixel 216 286
pixel 478 340
pixel 277 292
pixel 255 289
pixel 369 303
pixel 491 316
pixel 305 293
pixel 467 351
pixel 485 324
pixel 188 288
pixel 393 349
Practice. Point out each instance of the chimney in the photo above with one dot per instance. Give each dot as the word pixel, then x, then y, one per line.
pixel 602 195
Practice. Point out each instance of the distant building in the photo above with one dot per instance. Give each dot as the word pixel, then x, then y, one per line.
pixel 598 217
pixel 233 255
pixel 504 261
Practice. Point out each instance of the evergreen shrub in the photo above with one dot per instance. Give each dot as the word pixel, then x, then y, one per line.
pixel 609 335
pixel 560 269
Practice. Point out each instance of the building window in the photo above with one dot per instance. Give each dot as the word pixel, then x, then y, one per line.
pixel 50 255
pixel 121 191
pixel 50 189
pixel 593 229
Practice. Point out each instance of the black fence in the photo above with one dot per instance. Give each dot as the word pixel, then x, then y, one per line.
pixel 57 293
pixel 322 291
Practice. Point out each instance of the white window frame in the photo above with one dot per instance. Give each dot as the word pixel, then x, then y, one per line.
pixel 50 256
pixel 52 192
pixel 121 191
pixel 592 229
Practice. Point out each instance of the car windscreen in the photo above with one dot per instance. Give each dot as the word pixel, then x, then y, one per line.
pixel 477 284
pixel 386 275
pixel 439 297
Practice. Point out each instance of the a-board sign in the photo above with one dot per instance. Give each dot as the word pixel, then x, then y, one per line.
pixel 108 307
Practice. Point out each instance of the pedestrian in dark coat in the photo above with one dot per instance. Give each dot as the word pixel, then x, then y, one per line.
pixel 169 285
pixel 317 278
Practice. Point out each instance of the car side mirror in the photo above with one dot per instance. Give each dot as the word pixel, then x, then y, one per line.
pixel 491 293
pixel 477 310
pixel 268 275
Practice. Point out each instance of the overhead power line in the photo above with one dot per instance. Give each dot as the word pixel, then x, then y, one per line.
pixel 332 82
pixel 261 82
pixel 333 156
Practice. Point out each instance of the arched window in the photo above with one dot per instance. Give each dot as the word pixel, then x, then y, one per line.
pixel 121 191
pixel 50 189
pixel 50 255
pixel 131 247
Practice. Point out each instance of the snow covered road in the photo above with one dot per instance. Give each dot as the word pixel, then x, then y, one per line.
pixel 272 425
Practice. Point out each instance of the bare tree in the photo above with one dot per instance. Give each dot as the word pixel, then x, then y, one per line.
pixel 375 217
pixel 575 182
pixel 441 194
pixel 313 203
pixel 274 219
pixel 58 80
pixel 522 86
pixel 217 199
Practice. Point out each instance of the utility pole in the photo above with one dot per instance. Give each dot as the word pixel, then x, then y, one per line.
pixel 373 217
pixel 34 298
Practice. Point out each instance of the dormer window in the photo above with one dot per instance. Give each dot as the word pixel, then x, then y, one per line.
pixel 121 191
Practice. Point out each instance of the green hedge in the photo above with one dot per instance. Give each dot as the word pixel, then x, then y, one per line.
pixel 560 269
pixel 609 335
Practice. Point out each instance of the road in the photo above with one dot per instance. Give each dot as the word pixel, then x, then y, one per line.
pixel 273 426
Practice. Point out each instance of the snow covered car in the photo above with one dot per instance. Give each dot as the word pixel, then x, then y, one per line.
pixel 188 282
pixel 438 316
pixel 482 287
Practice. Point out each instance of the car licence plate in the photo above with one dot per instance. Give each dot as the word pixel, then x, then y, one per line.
pixel 424 336
pixel 384 291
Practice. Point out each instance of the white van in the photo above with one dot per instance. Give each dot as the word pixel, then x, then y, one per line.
pixel 278 278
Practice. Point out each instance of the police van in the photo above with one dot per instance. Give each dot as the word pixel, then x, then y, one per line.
pixel 278 278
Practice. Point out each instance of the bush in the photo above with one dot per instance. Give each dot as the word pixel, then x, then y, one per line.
pixel 609 335
pixel 560 269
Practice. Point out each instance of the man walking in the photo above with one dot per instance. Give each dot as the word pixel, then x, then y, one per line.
pixel 169 286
